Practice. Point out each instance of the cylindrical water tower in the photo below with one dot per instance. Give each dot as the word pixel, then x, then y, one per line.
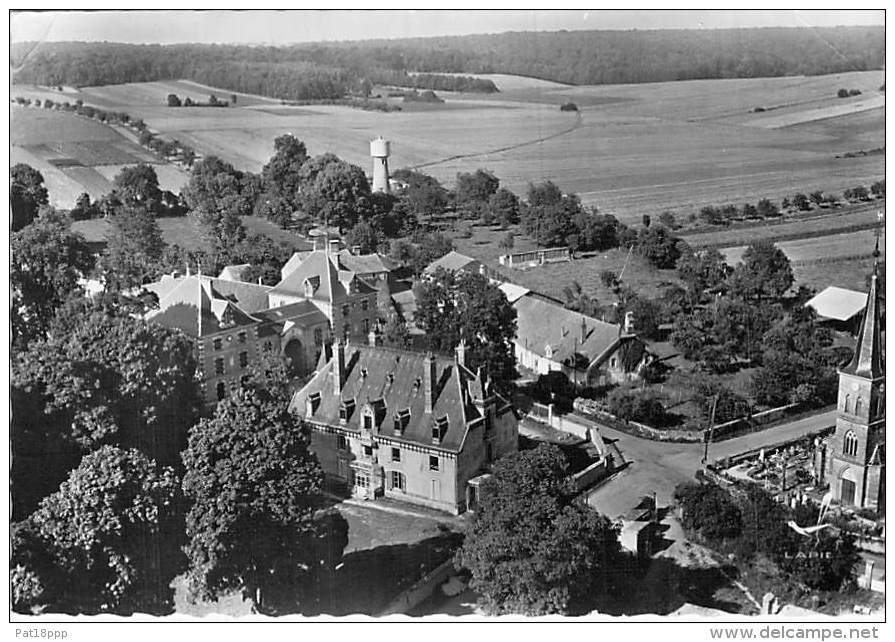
pixel 379 150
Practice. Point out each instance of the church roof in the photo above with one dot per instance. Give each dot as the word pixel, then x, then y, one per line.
pixel 869 359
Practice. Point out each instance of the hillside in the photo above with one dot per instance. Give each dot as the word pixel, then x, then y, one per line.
pixel 332 70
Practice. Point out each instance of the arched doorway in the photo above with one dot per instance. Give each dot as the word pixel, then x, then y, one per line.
pixel 847 487
pixel 295 354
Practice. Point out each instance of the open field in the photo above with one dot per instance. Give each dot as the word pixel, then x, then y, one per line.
pixel 76 154
pixel 631 150
pixel 821 248
pixel 818 223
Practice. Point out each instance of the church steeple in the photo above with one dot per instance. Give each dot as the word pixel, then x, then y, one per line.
pixel 868 360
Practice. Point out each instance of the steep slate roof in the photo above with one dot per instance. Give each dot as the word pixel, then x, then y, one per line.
pixel 452 261
pixel 540 323
pixel 391 381
pixel 838 303
pixel 320 268
pixel 869 360
pixel 294 261
pixel 250 297
pixel 192 307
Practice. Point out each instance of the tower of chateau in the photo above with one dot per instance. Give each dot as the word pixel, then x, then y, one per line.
pixel 855 466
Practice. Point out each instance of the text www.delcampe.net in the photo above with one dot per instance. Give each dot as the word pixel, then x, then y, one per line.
pixel 780 632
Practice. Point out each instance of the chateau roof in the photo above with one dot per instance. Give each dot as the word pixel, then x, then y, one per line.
pixel 321 270
pixel 869 359
pixel 364 263
pixel 392 381
pixel 192 305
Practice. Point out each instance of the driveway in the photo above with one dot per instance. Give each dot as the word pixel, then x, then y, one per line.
pixel 660 466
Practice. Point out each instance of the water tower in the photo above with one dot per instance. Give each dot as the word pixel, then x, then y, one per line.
pixel 379 150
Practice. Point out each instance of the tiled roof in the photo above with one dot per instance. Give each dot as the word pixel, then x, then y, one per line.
pixel 250 297
pixel 321 265
pixel 452 261
pixel 192 307
pixel 838 303
pixel 365 263
pixel 294 261
pixel 540 323
pixel 392 381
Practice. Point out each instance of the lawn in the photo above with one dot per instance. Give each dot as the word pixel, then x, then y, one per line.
pixel 821 249
pixel 183 231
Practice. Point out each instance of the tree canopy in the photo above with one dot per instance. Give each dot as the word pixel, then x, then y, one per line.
pixel 48 259
pixel 105 541
pixel 26 194
pixel 764 274
pixel 531 548
pixel 263 538
pixel 452 307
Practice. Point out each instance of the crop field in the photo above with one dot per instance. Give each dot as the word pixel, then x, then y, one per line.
pixel 77 155
pixel 821 248
pixel 630 150
pixel 790 227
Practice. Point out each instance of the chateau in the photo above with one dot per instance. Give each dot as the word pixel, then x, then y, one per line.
pixel 405 425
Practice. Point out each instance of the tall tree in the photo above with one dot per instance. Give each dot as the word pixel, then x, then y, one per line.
pixel 218 196
pixel 137 186
pixel 504 206
pixel 467 306
pixel 339 195
pixel 263 539
pixel 106 541
pixel 702 272
pixel 764 274
pixel 281 175
pixel 424 195
pixel 133 249
pixel 475 187
pixel 532 549
pixel 26 194
pixel 47 259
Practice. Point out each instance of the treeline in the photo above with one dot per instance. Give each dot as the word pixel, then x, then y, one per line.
pixel 597 57
pixel 288 73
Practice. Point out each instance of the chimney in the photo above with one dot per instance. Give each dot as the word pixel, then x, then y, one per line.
pixel 371 338
pixel 629 322
pixel 429 382
pixel 338 366
pixel 461 353
pixel 333 246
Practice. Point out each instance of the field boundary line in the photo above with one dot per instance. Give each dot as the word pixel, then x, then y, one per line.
pixel 503 149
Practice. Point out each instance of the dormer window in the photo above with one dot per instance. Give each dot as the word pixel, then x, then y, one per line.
pixel 313 403
pixel 402 418
pixel 346 409
pixel 311 286
pixel 439 429
pixel 368 422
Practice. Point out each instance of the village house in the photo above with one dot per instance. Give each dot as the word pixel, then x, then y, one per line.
pixel 852 461
pixel 410 426
pixel 588 351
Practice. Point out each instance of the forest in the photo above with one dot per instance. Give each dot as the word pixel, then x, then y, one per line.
pixel 332 70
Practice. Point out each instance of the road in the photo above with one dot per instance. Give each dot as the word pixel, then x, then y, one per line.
pixel 660 466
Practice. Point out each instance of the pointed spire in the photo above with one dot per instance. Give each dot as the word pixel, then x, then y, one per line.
pixel 868 360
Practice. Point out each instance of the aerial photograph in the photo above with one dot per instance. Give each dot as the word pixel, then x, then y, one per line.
pixel 447 316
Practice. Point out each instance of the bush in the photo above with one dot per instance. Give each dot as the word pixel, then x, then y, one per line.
pixel 709 510
pixel 640 406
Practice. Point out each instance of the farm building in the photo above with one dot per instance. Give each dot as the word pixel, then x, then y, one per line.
pixel 405 425
pixel 534 258
pixel 839 307
pixel 453 261
pixel 588 351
